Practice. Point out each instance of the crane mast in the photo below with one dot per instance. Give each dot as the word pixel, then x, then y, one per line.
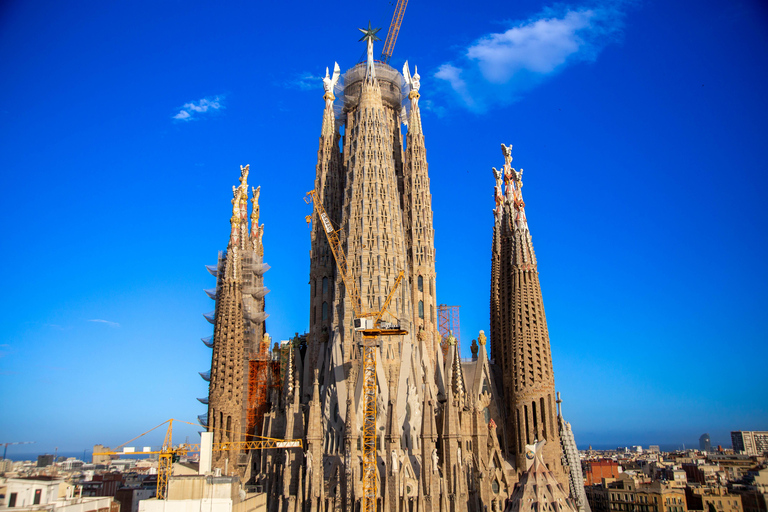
pixel 168 453
pixel 369 324
pixel 394 29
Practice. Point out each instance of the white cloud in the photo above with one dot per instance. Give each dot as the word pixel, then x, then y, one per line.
pixel 191 110
pixel 305 81
pixel 497 68
pixel 107 322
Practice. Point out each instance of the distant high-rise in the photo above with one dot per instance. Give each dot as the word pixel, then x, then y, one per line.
pixel 705 443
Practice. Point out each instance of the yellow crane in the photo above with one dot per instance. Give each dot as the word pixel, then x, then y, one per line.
pixel 371 327
pixel 167 453
pixel 394 30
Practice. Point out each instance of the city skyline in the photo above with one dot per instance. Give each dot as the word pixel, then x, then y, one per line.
pixel 640 136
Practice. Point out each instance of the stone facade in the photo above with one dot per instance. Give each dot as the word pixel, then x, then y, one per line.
pixel 451 433
pixel 239 328
pixel 519 336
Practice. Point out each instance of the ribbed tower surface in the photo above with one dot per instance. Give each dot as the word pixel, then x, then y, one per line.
pixel 519 335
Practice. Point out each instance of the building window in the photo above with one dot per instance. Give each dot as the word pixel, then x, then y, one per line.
pixel 325 311
pixel 38 493
pixel 421 309
pixel 325 285
pixel 421 284
pixel 12 500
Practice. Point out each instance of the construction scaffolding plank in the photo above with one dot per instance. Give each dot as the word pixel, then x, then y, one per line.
pixel 447 323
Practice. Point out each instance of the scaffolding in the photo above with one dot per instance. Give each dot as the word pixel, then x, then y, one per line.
pixel 263 374
pixel 448 323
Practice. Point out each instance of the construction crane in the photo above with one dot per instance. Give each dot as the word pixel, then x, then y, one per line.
pixel 6 445
pixel 168 454
pixel 371 327
pixel 394 29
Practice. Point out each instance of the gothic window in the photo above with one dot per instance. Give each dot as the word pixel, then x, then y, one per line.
pixel 487 415
pixel 325 311
pixel 495 485
pixel 431 313
pixel 421 284
pixel 325 285
pixel 421 309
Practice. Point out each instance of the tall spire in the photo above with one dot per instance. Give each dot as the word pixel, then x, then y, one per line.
pixel 257 231
pixel 519 335
pixel 239 221
pixel 417 218
pixel 369 35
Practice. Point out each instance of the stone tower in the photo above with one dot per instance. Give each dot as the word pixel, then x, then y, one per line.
pixel 519 336
pixel 417 211
pixel 437 447
pixel 239 329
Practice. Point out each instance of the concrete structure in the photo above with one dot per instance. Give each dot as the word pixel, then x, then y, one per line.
pixel 596 470
pixel 712 499
pixel 626 495
pixel 750 442
pixel 519 336
pixel 194 493
pixel 538 490
pixel 572 461
pixel 43 493
pixel 239 331
pixel 438 448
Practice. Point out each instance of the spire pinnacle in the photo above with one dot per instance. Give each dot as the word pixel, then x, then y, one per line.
pixel 257 232
pixel 239 209
pixel 370 36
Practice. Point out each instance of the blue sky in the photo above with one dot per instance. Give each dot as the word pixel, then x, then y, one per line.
pixel 641 126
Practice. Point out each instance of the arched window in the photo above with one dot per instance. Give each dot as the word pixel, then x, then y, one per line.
pixel 325 285
pixel 325 311
pixel 421 309
pixel 421 284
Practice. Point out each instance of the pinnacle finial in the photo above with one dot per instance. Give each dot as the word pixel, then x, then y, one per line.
pixel 370 36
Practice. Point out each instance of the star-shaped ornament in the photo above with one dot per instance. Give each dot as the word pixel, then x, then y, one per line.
pixel 369 33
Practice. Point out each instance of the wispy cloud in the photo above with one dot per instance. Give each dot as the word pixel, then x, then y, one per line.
pixel 107 322
pixel 305 81
pixel 193 110
pixel 497 68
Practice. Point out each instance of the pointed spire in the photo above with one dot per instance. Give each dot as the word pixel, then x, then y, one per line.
pixel 329 83
pixel 239 220
pixel 413 83
pixel 428 426
pixel 524 256
pixel 370 36
pixel 257 231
